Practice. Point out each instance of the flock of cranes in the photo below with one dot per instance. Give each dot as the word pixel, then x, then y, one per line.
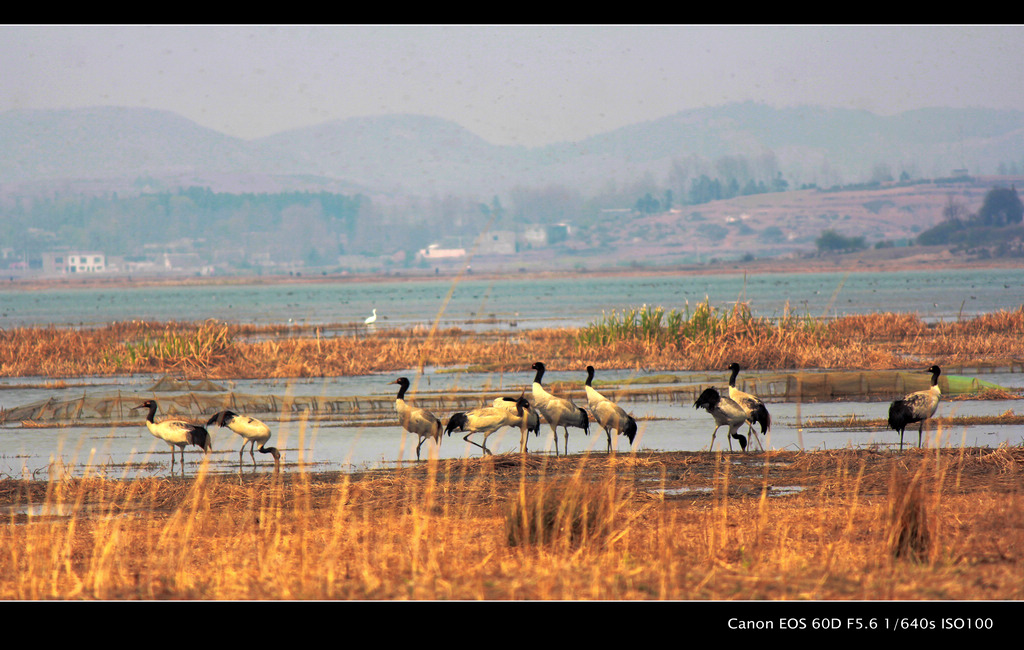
pixel 732 410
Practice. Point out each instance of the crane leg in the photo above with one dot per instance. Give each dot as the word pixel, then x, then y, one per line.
pixel 487 451
pixel 753 434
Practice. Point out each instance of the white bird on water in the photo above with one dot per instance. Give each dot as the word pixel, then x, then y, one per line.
pixel 370 320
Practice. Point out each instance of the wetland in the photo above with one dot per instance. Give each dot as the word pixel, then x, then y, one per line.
pixel 830 511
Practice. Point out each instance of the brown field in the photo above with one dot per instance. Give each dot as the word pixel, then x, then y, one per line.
pixel 840 525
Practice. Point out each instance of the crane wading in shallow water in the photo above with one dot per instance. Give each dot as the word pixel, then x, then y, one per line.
pixel 488 419
pixel 916 407
pixel 557 411
pixel 416 420
pixel 726 412
pixel 757 412
pixel 607 413
pixel 252 432
pixel 176 433
pixel 511 404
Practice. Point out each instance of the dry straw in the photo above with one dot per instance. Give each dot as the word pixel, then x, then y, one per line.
pixel 650 337
pixel 858 524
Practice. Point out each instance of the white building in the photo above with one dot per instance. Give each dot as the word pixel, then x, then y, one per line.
pixel 497 242
pixel 435 252
pixel 61 263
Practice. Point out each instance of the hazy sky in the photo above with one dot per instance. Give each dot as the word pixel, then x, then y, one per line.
pixel 515 84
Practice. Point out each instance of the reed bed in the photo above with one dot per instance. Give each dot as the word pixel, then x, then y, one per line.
pixel 648 338
pixel 857 525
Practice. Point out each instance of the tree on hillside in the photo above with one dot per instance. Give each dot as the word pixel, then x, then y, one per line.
pixel 955 210
pixel 1001 207
pixel 832 241
pixel 647 204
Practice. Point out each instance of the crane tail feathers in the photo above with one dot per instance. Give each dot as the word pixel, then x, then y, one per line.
pixel 201 438
pixel 900 415
pixel 707 400
pixel 630 429
pixel 456 422
pixel 762 417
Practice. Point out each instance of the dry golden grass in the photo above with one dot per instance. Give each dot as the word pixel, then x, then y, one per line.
pixel 647 526
pixel 218 350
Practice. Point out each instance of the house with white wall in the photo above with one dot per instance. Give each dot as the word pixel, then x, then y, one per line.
pixel 73 262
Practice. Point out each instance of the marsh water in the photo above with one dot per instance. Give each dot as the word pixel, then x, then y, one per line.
pixel 527 302
pixel 367 435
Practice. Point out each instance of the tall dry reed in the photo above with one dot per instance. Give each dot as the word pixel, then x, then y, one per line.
pixel 648 338
pixel 624 527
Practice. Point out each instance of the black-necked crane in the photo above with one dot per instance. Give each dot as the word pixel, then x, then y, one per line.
pixel 726 412
pixel 757 412
pixel 372 318
pixel 416 420
pixel 176 433
pixel 252 432
pixel 557 411
pixel 488 419
pixel 607 413
pixel 916 407
pixel 532 418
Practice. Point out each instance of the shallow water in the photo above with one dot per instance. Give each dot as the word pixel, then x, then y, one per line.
pixel 331 445
pixel 503 304
pixel 510 302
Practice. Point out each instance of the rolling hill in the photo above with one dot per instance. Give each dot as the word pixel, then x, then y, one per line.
pixel 430 156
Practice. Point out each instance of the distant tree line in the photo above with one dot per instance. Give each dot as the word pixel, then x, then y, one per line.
pixel 831 241
pixel 1001 208
pixel 705 189
pixel 294 223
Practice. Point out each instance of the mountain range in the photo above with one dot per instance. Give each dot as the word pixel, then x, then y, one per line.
pixel 120 148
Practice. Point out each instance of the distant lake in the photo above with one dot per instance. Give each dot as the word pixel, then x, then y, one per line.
pixel 548 302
